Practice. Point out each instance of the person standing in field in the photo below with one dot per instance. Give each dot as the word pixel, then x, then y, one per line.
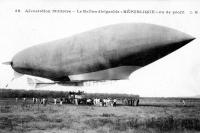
pixel 76 101
pixel 55 101
pixel 183 102
pixel 33 100
pixel 95 101
pixel 36 100
pixel 114 102
pixel 45 101
pixel 24 99
pixel 61 102
pixel 16 99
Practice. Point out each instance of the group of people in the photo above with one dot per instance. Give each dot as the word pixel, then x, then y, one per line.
pixel 105 102
pixel 131 102
pixel 76 101
pixel 101 102
pixel 34 100
pixel 40 100
pixel 60 101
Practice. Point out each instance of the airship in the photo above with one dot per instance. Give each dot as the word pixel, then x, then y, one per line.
pixel 111 52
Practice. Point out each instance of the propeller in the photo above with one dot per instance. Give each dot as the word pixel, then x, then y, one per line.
pixel 8 63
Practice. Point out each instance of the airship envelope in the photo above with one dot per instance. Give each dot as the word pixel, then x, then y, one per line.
pixel 105 53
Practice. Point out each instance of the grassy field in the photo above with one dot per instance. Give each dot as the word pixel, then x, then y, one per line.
pixel 152 115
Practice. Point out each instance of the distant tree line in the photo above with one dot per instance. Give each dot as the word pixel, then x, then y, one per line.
pixel 112 96
pixel 11 93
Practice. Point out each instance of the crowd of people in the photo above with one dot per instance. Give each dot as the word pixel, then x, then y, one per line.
pixel 105 102
pixel 102 102
pixel 79 98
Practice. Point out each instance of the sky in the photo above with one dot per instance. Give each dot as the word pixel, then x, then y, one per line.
pixel 176 75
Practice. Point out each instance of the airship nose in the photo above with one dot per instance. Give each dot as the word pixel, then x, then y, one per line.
pixel 21 62
pixel 18 63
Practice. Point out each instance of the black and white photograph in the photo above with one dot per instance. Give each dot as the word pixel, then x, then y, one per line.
pixel 99 66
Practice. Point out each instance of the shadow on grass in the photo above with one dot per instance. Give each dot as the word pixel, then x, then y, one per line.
pixel 165 105
pixel 158 124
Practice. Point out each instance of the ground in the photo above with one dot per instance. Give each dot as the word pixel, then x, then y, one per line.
pixel 152 115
